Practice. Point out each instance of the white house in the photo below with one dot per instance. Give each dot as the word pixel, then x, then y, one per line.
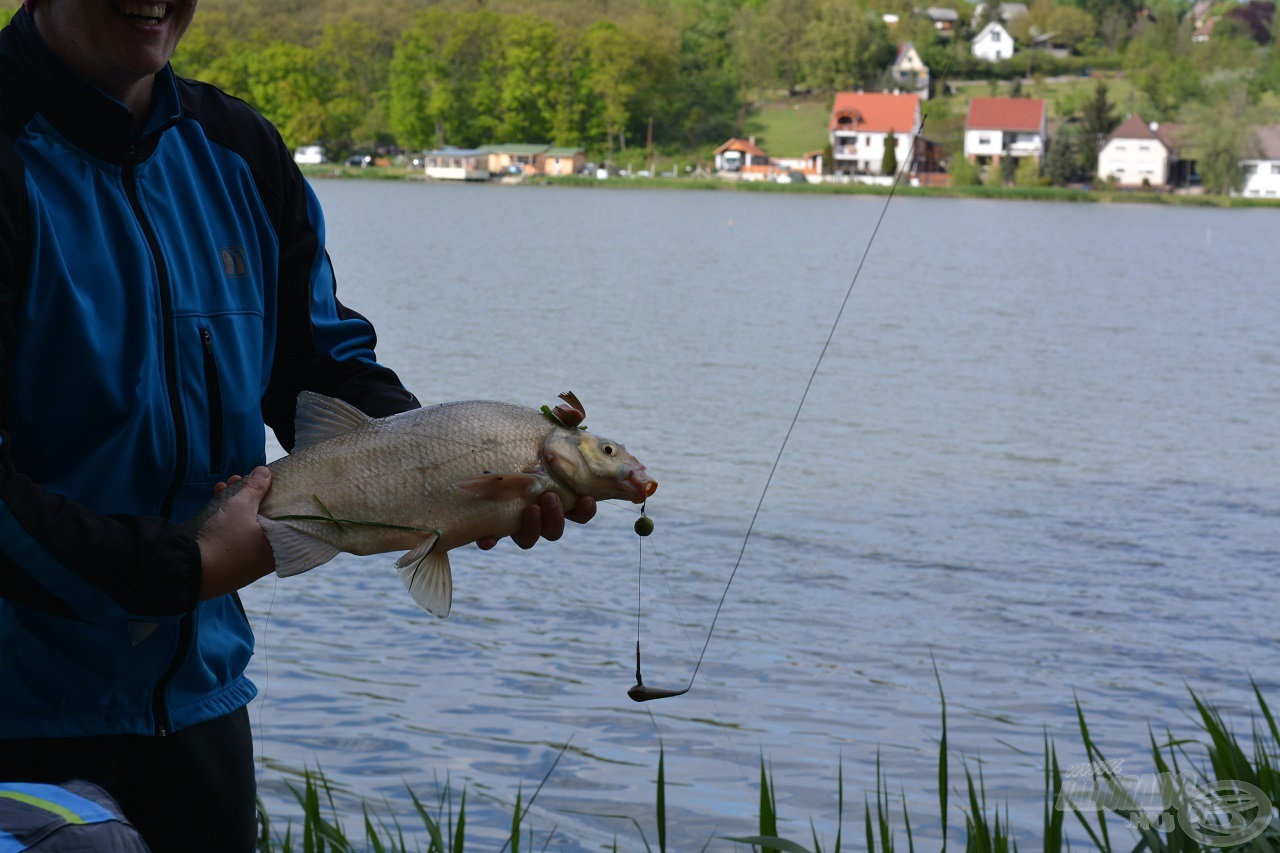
pixel 995 128
pixel 1135 155
pixel 860 126
pixel 457 164
pixel 1262 174
pixel 309 154
pixel 993 44
pixel 737 155
pixel 909 72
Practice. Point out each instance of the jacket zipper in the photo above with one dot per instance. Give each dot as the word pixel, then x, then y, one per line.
pixel 159 708
pixel 213 389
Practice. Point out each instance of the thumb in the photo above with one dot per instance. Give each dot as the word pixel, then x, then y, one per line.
pixel 254 488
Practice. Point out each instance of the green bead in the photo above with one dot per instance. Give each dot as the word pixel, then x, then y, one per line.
pixel 644 525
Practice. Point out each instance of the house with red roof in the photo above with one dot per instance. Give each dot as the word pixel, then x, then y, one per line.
pixel 737 154
pixel 860 126
pixel 1005 127
pixel 1135 155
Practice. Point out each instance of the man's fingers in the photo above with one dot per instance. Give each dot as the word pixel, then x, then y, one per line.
pixel 552 516
pixel 583 511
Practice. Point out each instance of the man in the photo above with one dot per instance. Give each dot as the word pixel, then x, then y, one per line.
pixel 164 290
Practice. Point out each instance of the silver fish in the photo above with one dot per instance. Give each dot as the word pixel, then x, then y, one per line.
pixel 427 481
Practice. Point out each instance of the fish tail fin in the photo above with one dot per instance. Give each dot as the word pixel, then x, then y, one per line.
pixel 428 578
pixel 294 550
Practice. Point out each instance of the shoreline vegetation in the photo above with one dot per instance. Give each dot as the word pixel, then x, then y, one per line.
pixel 1097 195
pixel 1206 792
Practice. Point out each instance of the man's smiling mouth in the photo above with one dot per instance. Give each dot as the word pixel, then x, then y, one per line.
pixel 152 13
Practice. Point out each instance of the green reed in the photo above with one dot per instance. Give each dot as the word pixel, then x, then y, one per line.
pixel 1217 754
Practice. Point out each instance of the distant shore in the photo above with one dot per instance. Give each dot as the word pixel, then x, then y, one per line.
pixel 1058 194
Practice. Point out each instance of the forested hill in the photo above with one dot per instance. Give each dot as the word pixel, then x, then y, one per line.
pixel 605 74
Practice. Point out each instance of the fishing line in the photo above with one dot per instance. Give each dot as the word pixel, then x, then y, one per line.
pixel 643 693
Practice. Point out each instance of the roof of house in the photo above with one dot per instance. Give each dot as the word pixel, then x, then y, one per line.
pixel 1134 127
pixel 988 29
pixel 518 148
pixel 564 152
pixel 1269 141
pixel 1008 11
pixel 744 145
pixel 942 13
pixel 1026 114
pixel 876 112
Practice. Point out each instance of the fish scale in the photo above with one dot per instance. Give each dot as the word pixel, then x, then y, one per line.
pixel 425 481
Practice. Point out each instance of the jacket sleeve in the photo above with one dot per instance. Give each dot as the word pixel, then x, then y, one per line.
pixel 321 345
pixel 58 555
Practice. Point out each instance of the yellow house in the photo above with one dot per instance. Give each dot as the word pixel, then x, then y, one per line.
pixel 563 161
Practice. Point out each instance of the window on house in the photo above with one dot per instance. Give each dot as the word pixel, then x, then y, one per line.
pixel 1144 147
pixel 1275 168
pixel 984 140
pixel 1251 169
pixel 995 35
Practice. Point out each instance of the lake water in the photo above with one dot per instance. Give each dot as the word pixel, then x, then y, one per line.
pixel 1040 454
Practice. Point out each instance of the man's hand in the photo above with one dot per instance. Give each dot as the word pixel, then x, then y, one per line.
pixel 234 551
pixel 545 520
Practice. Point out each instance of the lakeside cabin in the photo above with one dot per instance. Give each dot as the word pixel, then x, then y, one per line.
pixel 457 164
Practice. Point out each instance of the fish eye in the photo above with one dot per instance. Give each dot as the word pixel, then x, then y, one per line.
pixel 607 449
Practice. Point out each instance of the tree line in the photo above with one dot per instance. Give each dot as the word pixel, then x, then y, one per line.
pixel 607 75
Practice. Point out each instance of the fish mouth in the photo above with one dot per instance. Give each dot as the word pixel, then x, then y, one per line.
pixel 640 485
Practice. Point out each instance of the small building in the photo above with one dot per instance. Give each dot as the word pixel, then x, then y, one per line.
pixel 1262 173
pixel 995 128
pixel 808 166
pixel 309 155
pixel 860 126
pixel 516 158
pixel 993 44
pixel 944 20
pixel 909 72
pixel 1135 155
pixel 563 161
pixel 736 156
pixel 457 164
pixel 1008 11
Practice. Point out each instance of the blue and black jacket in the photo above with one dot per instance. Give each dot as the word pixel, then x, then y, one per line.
pixel 164 292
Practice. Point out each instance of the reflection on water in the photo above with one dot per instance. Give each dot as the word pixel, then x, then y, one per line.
pixel 1039 454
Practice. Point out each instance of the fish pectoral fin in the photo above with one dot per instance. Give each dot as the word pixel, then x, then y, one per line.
pixel 319 418
pixel 499 487
pixel 428 577
pixel 295 551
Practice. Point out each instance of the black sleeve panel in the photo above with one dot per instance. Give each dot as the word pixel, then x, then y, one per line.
pixel 300 362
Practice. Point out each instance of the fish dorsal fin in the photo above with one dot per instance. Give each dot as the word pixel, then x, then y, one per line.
pixel 295 552
pixel 319 418
pixel 428 577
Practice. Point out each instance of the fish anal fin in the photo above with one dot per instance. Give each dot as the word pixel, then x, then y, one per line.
pixel 295 552
pixel 319 418
pixel 429 580
pixel 500 487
